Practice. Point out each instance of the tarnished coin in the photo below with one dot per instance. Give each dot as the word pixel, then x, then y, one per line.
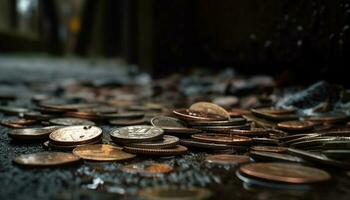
pixel 75 135
pixel 295 125
pixel 29 133
pixel 177 150
pixel 285 173
pixel 223 138
pixel 68 121
pixel 101 152
pixel 272 149
pixel 187 114
pixel 167 141
pixel 210 108
pixel 148 169
pixel 127 122
pixel 175 193
pixel 272 157
pixel 46 159
pixel 227 159
pixel 136 134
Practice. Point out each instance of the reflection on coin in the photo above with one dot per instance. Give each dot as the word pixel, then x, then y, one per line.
pixel 295 125
pixel 223 138
pixel 101 152
pixel 172 193
pixel 30 133
pixel 177 150
pixel 148 169
pixel 68 121
pixel 74 135
pixel 166 142
pixel 46 159
pixel 227 159
pixel 210 108
pixel 136 133
pixel 286 173
pixel 187 114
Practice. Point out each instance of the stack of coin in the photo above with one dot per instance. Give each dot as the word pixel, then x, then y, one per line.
pixel 68 138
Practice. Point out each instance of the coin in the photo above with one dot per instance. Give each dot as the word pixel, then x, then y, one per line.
pixel 37 115
pixel 123 115
pixel 222 129
pixel 172 125
pixel 101 152
pixel 272 149
pixel 274 117
pixel 74 135
pixel 46 159
pixel 68 121
pixel 204 145
pixel 231 122
pixel 167 141
pixel 329 118
pixel 175 193
pixel 177 150
pixel 295 125
pixel 318 158
pixel 227 159
pixel 210 108
pixel 127 122
pixel 83 115
pixel 223 138
pixel 285 173
pixel 276 111
pixel 238 112
pixel 136 134
pixel 65 106
pixel 148 169
pixel 250 133
pixel 187 114
pixel 50 145
pixel 337 153
pixel 29 133
pixel 271 156
pixel 12 110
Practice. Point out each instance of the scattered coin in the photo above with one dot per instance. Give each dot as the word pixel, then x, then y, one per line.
pixel 167 141
pixel 295 125
pixel 274 157
pixel 285 173
pixel 227 159
pixel 275 117
pixel 131 134
pixel 68 121
pixel 46 159
pixel 127 122
pixel 276 111
pixel 222 138
pixel 101 152
pixel 231 122
pixel 172 193
pixel 172 125
pixel 210 108
pixel 187 114
pixel 148 169
pixel 272 149
pixel 75 135
pixel 29 133
pixel 177 150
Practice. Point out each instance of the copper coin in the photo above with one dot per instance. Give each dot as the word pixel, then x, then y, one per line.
pixel 30 133
pixel 23 122
pixel 68 121
pixel 177 150
pixel 187 114
pixel 329 118
pixel 210 108
pixel 127 122
pixel 271 156
pixel 285 173
pixel 276 111
pixel 83 115
pixel 295 125
pixel 46 159
pixel 65 107
pixel 148 169
pixel 274 117
pixel 136 133
pixel 223 138
pixel 74 135
pixel 272 149
pixel 238 112
pixel 5 123
pixel 167 141
pixel 175 193
pixel 101 152
pixel 227 159
pixel 252 132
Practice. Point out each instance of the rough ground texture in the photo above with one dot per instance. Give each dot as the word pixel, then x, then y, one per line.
pixel 92 180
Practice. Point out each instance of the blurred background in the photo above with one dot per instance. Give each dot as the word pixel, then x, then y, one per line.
pixel 297 41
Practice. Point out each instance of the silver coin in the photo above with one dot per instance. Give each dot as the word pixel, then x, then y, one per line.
pixel 136 133
pixel 167 142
